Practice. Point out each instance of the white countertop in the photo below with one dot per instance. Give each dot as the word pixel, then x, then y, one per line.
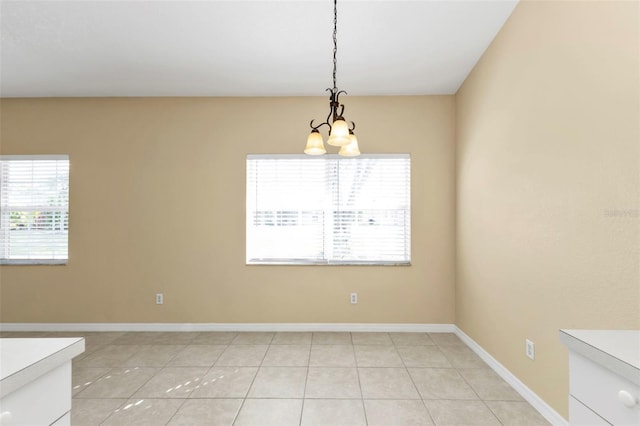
pixel 617 350
pixel 24 360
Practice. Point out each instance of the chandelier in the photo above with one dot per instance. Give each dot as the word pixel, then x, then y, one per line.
pixel 340 133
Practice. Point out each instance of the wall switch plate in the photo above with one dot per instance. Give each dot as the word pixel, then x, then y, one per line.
pixel 159 299
pixel 530 349
pixel 354 298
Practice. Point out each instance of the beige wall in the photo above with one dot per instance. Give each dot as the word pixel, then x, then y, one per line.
pixel 157 205
pixel 547 185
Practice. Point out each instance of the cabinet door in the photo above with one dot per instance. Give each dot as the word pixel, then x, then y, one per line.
pixel 579 415
pixel 63 421
pixel 597 388
pixel 40 402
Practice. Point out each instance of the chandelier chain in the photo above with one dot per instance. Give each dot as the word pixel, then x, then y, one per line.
pixel 335 43
pixel 340 133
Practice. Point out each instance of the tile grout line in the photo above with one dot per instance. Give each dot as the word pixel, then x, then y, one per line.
pixel 137 389
pixel 414 383
pixel 478 395
pixel 306 381
pixel 472 388
pixel 235 418
pixel 198 386
pixel 491 411
pixel 159 370
pixel 355 359
pixel 184 401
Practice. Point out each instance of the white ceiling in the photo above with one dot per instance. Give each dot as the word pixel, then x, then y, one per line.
pixel 241 48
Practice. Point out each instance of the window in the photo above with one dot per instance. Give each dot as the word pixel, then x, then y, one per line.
pixel 328 210
pixel 34 209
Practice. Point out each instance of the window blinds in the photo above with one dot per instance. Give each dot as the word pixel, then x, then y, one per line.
pixel 34 208
pixel 310 210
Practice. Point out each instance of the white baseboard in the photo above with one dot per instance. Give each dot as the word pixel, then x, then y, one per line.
pixel 531 397
pixel 363 327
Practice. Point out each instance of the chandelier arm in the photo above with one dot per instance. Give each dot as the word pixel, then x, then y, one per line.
pixel 331 113
pixel 338 93
pixel 319 125
pixel 332 103
pixel 352 127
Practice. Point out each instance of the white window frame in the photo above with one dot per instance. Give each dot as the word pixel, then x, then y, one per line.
pixel 10 204
pixel 327 215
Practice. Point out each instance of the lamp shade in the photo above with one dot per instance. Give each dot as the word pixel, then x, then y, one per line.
pixel 315 145
pixel 339 135
pixel 352 149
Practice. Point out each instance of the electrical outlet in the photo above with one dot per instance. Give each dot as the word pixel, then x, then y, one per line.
pixel 530 349
pixel 354 298
pixel 159 299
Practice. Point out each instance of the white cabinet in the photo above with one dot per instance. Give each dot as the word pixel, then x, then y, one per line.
pixel 64 420
pixel 582 415
pixel 604 376
pixel 35 386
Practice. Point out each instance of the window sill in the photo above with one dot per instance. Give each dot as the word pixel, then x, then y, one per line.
pixel 311 263
pixel 5 262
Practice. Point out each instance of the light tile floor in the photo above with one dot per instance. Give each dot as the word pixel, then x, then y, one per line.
pixel 224 378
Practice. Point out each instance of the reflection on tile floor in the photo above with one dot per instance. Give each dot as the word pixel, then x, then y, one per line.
pixel 224 378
